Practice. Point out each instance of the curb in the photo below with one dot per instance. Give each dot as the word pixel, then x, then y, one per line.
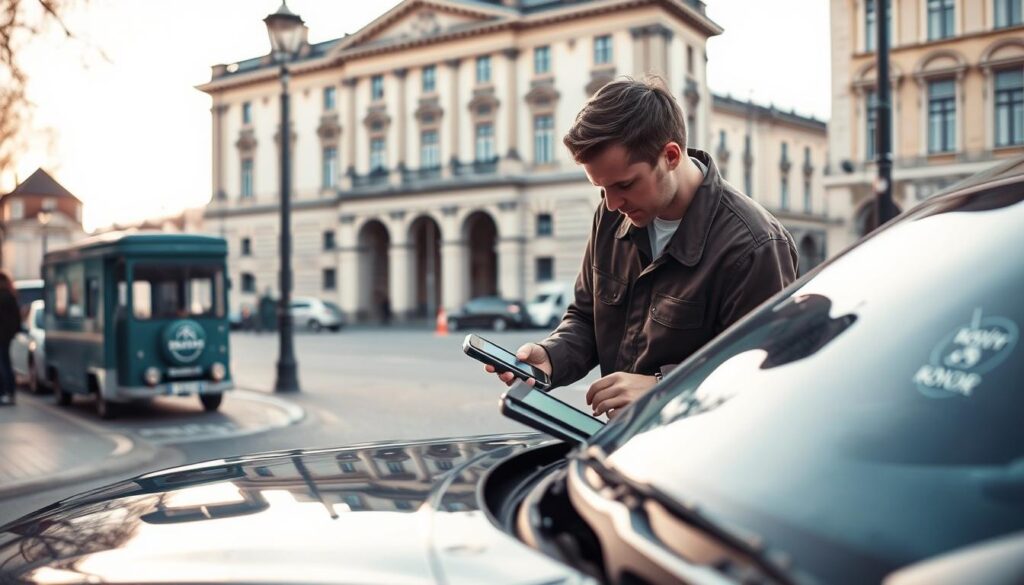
pixel 128 453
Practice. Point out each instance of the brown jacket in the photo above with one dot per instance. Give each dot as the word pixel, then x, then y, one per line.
pixel 634 315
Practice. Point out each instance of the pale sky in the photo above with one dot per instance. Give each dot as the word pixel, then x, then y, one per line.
pixel 131 137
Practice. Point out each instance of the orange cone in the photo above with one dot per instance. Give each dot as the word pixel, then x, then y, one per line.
pixel 442 323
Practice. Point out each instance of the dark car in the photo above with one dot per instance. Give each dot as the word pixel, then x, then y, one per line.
pixel 863 426
pixel 490 313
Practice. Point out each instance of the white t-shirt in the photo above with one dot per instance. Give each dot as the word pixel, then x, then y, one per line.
pixel 661 230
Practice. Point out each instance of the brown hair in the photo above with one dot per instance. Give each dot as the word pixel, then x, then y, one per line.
pixel 642 116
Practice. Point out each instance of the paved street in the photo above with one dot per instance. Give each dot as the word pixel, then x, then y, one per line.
pixel 358 385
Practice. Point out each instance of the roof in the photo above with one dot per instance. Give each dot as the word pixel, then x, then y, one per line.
pixel 143 244
pixel 41 183
pixel 728 102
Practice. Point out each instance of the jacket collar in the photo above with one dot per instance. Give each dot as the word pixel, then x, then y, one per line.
pixel 687 244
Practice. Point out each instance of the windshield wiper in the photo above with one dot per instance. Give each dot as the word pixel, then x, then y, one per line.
pixel 632 494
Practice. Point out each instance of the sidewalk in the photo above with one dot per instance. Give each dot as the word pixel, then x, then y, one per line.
pixel 42 448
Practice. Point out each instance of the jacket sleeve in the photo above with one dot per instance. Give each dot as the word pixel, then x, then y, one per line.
pixel 756 276
pixel 572 347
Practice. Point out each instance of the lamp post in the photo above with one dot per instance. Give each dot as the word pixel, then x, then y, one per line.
pixel 286 31
pixel 44 218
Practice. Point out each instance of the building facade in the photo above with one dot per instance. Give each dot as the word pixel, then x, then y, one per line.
pixel 957 82
pixel 427 159
pixel 38 215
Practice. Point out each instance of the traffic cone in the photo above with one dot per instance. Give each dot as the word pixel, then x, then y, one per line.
pixel 442 323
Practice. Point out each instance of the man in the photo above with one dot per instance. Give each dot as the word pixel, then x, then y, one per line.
pixel 676 255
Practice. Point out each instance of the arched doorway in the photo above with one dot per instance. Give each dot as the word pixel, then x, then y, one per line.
pixel 374 243
pixel 425 236
pixel 481 236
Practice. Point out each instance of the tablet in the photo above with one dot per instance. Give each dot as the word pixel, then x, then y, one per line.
pixel 544 412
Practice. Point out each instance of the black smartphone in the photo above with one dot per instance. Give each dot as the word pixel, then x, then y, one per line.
pixel 544 412
pixel 503 360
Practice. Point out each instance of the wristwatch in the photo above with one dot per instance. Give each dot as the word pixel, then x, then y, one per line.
pixel 657 376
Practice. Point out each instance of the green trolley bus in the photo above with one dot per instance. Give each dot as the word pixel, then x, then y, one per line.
pixel 132 316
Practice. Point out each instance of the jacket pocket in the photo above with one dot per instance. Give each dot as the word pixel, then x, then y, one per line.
pixel 677 313
pixel 607 288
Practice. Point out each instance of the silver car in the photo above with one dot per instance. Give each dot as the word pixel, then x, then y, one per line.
pixel 28 349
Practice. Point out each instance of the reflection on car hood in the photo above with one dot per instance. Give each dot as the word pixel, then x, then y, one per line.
pixel 376 513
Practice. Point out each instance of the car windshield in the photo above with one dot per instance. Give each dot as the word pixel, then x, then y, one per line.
pixel 174 291
pixel 333 307
pixel 869 417
pixel 542 297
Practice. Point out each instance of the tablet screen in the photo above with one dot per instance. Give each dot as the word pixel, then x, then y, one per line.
pixel 561 411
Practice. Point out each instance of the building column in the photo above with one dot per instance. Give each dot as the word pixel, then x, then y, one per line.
pixel 511 268
pixel 512 162
pixel 350 132
pixel 399 169
pixel 400 267
pixel 641 50
pixel 219 194
pixel 454 274
pixel 453 119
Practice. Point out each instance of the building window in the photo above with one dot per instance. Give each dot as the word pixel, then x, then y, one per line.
pixel 784 192
pixel 378 155
pixel 1009 117
pixel 871 124
pixel 17 209
pixel 545 269
pixel 329 243
pixel 689 59
pixel 1007 13
pixel 377 87
pixel 721 140
pixel 784 158
pixel 330 168
pixel 543 139
pixel 603 50
pixel 396 467
pixel 807 195
pixel 247 113
pixel 330 279
pixel 247 178
pixel 542 60
pixel 347 467
pixel 430 79
pixel 871 21
pixel 942 116
pixel 485 142
pixel 430 150
pixel 940 19
pixel 49 204
pixel 748 164
pixel 444 464
pixel 248 283
pixel 483 69
pixel 246 247
pixel 329 98
pixel 545 224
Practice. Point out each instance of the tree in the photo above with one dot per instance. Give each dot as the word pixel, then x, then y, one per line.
pixel 21 21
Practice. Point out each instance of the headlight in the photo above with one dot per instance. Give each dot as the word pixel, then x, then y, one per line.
pixel 217 371
pixel 151 376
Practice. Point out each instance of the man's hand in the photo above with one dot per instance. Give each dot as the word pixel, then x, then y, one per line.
pixel 530 353
pixel 616 391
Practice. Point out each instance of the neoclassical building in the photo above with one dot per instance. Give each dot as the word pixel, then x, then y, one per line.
pixel 427 158
pixel 37 216
pixel 957 80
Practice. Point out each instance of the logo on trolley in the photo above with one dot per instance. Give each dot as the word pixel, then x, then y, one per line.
pixel 186 341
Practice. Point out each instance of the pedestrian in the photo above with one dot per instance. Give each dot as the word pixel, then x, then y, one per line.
pixel 10 324
pixel 676 254
pixel 385 308
pixel 267 310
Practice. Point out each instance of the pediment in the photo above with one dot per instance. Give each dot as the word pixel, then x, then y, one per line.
pixel 416 19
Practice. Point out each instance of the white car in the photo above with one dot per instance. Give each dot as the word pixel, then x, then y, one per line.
pixel 315 314
pixel 549 305
pixel 28 349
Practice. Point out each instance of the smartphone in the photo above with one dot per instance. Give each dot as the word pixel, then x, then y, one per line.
pixel 503 360
pixel 544 412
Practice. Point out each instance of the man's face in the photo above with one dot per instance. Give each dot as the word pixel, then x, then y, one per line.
pixel 638 190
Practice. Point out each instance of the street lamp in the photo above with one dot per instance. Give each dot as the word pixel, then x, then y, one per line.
pixel 287 32
pixel 44 218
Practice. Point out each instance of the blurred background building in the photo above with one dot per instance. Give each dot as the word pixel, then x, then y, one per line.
pixel 957 78
pixel 428 165
pixel 38 215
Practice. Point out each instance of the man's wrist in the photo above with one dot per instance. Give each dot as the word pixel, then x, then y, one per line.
pixel 657 377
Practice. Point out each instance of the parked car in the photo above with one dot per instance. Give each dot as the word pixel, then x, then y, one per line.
pixel 28 349
pixel 316 314
pixel 29 290
pixel 862 426
pixel 490 313
pixel 550 303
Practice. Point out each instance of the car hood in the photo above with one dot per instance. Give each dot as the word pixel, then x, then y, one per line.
pixel 374 513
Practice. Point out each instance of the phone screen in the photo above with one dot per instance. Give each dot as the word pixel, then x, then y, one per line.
pixel 509 358
pixel 559 410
